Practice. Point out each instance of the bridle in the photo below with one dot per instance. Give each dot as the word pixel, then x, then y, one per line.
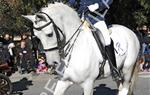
pixel 58 31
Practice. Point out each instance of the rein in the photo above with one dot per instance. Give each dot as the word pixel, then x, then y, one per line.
pixel 67 43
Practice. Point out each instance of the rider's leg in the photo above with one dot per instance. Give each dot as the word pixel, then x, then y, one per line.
pixel 101 25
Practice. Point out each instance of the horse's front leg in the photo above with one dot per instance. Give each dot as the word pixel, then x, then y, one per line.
pixel 88 87
pixel 61 87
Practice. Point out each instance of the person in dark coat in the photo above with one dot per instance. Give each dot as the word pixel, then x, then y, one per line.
pixel 9 45
pixel 24 58
pixel 4 57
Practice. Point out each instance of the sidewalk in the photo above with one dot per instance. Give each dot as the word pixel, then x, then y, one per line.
pixel 144 74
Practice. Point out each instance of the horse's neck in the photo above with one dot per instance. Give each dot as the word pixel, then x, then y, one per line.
pixel 70 26
pixel 70 31
pixel 67 20
pixel 86 38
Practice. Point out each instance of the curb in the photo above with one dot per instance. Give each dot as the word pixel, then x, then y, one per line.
pixel 144 74
pixel 148 73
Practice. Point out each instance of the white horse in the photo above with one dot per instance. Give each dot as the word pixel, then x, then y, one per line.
pixel 58 22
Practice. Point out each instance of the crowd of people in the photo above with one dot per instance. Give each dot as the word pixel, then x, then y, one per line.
pixel 143 34
pixel 23 55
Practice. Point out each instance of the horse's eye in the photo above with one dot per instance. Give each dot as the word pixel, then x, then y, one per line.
pixel 50 35
pixel 41 18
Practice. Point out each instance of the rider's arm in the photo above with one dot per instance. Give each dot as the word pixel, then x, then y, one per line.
pixel 100 4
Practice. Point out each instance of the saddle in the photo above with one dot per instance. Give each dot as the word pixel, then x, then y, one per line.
pixel 101 45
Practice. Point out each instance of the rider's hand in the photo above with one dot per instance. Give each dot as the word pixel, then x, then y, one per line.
pixel 93 7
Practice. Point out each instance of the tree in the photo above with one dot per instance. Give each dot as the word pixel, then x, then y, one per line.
pixel 130 13
pixel 10 18
pixel 4 12
pixel 11 11
pixel 144 12
pixel 126 12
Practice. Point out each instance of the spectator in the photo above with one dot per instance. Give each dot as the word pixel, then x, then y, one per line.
pixel 34 44
pixel 9 44
pixel 144 38
pixel 27 40
pixel 4 58
pixel 41 65
pixel 146 65
pixel 141 61
pixel 24 58
pixel 148 32
pixel 36 47
pixel 144 32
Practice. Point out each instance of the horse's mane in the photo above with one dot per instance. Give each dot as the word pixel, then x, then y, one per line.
pixel 64 16
pixel 60 7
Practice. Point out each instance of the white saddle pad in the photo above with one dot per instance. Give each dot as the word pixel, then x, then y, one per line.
pixel 120 45
pixel 120 48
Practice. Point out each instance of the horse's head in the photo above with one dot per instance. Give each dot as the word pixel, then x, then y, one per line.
pixel 55 17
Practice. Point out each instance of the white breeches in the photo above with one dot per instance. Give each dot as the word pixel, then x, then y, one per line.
pixel 101 25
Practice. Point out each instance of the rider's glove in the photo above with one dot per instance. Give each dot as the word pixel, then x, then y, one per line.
pixel 93 7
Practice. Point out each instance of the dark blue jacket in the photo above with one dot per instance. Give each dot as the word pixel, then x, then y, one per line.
pixel 84 3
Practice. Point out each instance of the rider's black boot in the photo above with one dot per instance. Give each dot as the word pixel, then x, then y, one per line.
pixel 112 62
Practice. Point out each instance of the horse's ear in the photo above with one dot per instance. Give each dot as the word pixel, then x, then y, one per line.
pixel 29 17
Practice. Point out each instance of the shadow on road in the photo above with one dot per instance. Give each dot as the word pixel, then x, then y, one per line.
pixel 21 85
pixel 103 90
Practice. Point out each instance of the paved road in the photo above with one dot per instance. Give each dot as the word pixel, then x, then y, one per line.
pixel 35 85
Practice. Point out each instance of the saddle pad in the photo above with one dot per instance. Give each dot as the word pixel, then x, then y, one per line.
pixel 119 48
pixel 120 44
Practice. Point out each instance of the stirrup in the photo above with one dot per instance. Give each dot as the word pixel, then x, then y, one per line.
pixel 116 76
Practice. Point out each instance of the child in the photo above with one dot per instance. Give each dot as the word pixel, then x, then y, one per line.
pixel 41 65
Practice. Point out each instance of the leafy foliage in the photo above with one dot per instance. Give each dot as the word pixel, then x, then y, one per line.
pixel 130 13
pixel 126 12
pixel 11 11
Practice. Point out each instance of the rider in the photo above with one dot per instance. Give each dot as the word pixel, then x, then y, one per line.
pixel 94 5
